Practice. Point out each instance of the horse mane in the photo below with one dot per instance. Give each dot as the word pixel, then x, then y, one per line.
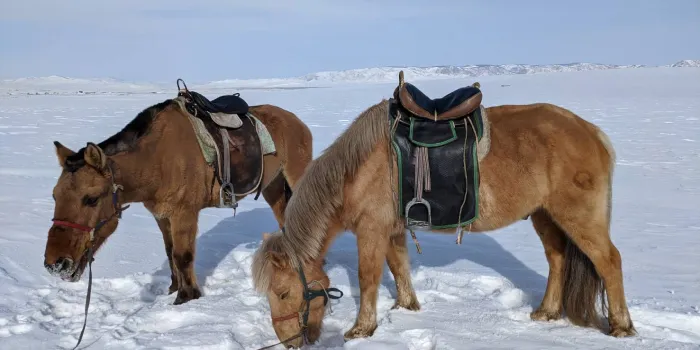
pixel 125 139
pixel 318 195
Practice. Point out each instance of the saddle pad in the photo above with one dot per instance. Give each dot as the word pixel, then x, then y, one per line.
pixel 266 141
pixel 453 167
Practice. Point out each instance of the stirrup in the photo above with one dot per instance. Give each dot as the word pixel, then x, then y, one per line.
pixel 416 224
pixel 222 196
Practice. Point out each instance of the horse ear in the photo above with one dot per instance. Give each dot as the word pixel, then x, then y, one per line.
pixel 95 156
pixel 62 152
pixel 277 259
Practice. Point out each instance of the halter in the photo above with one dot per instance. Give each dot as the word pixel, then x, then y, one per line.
pixel 303 316
pixel 89 251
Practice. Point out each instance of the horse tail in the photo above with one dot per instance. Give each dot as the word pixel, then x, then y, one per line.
pixel 582 286
pixel 582 283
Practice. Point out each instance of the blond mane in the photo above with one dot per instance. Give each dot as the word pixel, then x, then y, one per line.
pixel 319 193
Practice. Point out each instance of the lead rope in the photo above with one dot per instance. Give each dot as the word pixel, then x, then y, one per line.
pixel 87 299
pixel 284 341
pixel 118 214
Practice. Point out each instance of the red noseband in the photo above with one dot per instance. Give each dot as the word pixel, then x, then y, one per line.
pixel 72 225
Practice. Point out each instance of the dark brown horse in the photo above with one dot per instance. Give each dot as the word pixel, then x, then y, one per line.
pixel 543 161
pixel 157 160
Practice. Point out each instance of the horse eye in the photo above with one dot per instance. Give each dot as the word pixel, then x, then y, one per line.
pixel 284 295
pixel 90 201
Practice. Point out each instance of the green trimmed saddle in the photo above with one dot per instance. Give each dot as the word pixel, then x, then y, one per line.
pixel 435 143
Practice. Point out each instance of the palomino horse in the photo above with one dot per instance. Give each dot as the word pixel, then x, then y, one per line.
pixel 544 162
pixel 157 160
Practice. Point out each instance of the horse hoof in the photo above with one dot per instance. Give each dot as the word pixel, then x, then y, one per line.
pixel 545 316
pixel 623 332
pixel 412 305
pixel 185 295
pixel 359 332
pixel 172 289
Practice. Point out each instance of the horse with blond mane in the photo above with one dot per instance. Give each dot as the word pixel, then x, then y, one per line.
pixel 541 161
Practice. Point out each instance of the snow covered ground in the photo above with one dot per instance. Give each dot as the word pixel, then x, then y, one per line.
pixel 474 296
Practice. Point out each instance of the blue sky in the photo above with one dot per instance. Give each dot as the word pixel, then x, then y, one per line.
pixel 158 40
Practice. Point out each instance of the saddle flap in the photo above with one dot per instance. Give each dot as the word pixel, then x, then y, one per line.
pixel 226 120
pixel 426 133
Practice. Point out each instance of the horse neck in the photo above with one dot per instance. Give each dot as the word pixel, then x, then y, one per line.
pixel 319 255
pixel 129 170
pixel 138 170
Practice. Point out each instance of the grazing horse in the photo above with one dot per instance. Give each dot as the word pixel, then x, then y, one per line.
pixel 157 159
pixel 543 161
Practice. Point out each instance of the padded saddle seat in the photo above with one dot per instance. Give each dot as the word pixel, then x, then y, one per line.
pixel 226 104
pixel 456 104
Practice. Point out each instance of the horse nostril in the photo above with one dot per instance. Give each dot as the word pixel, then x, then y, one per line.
pixel 63 264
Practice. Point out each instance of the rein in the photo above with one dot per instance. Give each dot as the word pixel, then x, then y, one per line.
pixel 89 251
pixel 303 317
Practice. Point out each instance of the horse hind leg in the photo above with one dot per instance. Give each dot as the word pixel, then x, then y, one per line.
pixel 593 266
pixel 554 242
pixel 397 259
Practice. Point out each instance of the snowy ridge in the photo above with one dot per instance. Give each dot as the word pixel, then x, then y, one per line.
pixel 687 63
pixel 390 74
pixel 57 85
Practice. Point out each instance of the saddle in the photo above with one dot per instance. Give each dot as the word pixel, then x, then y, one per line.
pixel 456 104
pixel 435 141
pixel 239 159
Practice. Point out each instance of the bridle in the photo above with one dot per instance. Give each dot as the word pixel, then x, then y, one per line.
pixel 303 314
pixel 89 251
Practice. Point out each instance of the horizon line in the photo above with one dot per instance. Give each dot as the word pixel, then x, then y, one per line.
pixel 197 82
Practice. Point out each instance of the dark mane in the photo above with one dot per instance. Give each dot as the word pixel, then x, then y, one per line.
pixel 123 140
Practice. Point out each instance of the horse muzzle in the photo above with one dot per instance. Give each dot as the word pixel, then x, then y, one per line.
pixel 66 269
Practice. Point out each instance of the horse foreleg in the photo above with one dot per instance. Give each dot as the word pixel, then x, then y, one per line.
pixel 164 225
pixel 397 259
pixel 372 245
pixel 184 231
pixel 554 242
